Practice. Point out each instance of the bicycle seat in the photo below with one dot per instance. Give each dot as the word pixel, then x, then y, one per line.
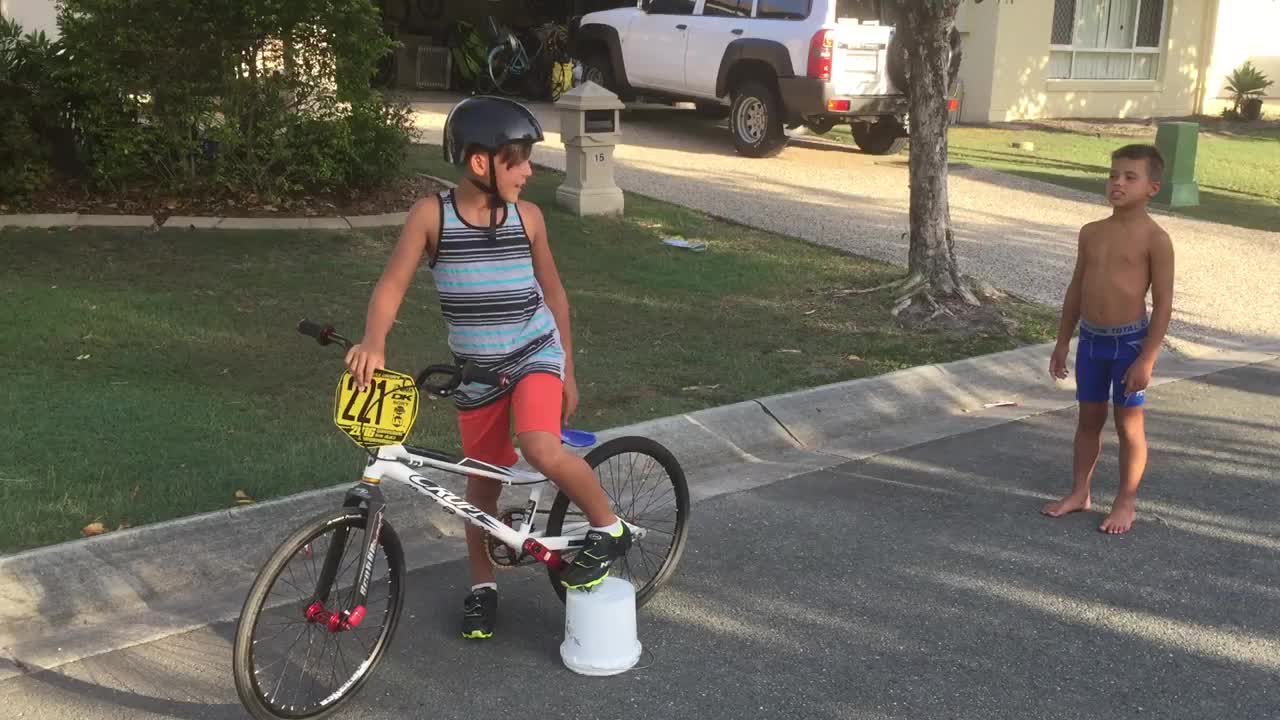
pixel 577 438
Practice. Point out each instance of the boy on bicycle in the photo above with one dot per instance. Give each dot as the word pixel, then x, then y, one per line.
pixel 507 311
pixel 1119 259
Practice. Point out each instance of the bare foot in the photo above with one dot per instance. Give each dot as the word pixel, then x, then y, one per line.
pixel 1121 517
pixel 1069 504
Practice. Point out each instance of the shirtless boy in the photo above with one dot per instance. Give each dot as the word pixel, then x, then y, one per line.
pixel 1118 260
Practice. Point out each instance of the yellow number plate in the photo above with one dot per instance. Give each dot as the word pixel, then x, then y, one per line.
pixel 381 414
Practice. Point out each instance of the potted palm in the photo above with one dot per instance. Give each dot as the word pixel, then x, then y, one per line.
pixel 1247 84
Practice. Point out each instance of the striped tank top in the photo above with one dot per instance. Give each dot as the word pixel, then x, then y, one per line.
pixel 492 302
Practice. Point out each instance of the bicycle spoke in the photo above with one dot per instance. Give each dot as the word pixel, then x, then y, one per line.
pixel 311 564
pixel 324 642
pixel 280 632
pixel 311 644
pixel 293 585
pixel 285 672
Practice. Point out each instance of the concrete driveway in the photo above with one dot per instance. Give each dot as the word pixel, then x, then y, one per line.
pixel 1018 234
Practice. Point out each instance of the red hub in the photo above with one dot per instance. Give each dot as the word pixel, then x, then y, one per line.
pixel 336 622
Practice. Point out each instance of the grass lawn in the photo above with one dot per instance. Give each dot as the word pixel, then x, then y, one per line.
pixel 1237 174
pixel 150 375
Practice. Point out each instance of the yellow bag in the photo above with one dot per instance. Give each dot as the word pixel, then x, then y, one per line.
pixel 561 79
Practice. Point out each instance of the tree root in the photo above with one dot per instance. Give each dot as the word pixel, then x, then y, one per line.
pixel 921 293
pixel 905 284
pixel 864 291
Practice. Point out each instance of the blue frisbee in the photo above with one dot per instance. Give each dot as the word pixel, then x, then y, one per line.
pixel 577 438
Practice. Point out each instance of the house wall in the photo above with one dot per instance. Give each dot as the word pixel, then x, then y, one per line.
pixel 1023 90
pixel 1005 71
pixel 977 26
pixel 32 15
pixel 1245 30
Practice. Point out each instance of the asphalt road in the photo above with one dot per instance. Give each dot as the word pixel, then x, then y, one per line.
pixel 919 584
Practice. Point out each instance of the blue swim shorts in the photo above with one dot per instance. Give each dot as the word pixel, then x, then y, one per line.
pixel 1103 356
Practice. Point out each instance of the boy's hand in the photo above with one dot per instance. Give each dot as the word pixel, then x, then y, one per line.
pixel 1138 376
pixel 362 360
pixel 1058 361
pixel 570 398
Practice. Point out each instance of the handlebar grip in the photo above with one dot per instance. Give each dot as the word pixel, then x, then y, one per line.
pixel 315 330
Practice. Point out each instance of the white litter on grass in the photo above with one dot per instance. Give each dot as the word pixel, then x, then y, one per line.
pixel 696 245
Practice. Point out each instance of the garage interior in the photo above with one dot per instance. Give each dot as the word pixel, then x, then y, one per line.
pixel 444 43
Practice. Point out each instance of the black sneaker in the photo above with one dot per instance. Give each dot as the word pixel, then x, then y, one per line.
pixel 479 611
pixel 591 565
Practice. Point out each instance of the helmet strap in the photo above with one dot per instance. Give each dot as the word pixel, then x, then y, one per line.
pixel 493 199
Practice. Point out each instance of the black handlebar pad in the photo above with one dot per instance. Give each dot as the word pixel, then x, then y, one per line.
pixel 473 373
pixel 316 330
pixel 467 373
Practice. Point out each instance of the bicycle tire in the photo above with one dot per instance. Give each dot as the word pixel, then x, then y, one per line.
pixel 680 490
pixel 502 78
pixel 243 671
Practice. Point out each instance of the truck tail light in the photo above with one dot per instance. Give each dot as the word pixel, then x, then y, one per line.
pixel 820 51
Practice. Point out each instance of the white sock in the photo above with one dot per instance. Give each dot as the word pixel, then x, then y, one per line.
pixel 493 585
pixel 610 530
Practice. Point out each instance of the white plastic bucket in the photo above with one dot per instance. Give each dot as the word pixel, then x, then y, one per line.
pixel 600 629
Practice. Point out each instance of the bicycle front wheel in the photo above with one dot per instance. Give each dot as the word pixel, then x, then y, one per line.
pixel 289 660
pixel 647 488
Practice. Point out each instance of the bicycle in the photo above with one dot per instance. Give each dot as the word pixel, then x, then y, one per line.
pixel 512 70
pixel 329 607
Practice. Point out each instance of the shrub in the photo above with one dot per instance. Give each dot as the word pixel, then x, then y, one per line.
pixel 1247 85
pixel 268 97
pixel 29 108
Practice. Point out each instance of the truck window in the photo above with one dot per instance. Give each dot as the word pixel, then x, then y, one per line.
pixel 670 7
pixel 865 11
pixel 783 9
pixel 727 8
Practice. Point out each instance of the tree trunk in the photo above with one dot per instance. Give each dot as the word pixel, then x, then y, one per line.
pixel 932 257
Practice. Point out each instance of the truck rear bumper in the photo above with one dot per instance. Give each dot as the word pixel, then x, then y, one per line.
pixel 808 97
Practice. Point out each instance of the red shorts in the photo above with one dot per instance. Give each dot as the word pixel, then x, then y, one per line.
pixel 534 405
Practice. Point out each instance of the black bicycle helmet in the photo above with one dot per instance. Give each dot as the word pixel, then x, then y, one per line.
pixel 488 123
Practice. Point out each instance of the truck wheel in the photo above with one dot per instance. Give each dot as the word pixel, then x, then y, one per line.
pixel 885 137
pixel 599 70
pixel 755 119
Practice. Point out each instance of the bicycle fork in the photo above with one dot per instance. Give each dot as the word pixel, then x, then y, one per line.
pixel 370 496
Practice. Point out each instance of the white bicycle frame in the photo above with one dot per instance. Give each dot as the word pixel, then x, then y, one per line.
pixel 398 462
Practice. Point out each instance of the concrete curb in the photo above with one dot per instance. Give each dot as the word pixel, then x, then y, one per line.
pixel 85 597
pixel 200 222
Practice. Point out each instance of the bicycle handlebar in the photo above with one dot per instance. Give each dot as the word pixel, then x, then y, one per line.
pixel 457 375
pixel 324 334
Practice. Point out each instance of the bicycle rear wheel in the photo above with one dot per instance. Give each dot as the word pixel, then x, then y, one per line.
pixel 647 488
pixel 284 608
pixel 503 71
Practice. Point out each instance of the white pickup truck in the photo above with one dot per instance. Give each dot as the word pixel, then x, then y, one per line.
pixel 772 64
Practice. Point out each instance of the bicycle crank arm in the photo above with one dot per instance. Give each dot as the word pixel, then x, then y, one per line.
pixel 539 552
